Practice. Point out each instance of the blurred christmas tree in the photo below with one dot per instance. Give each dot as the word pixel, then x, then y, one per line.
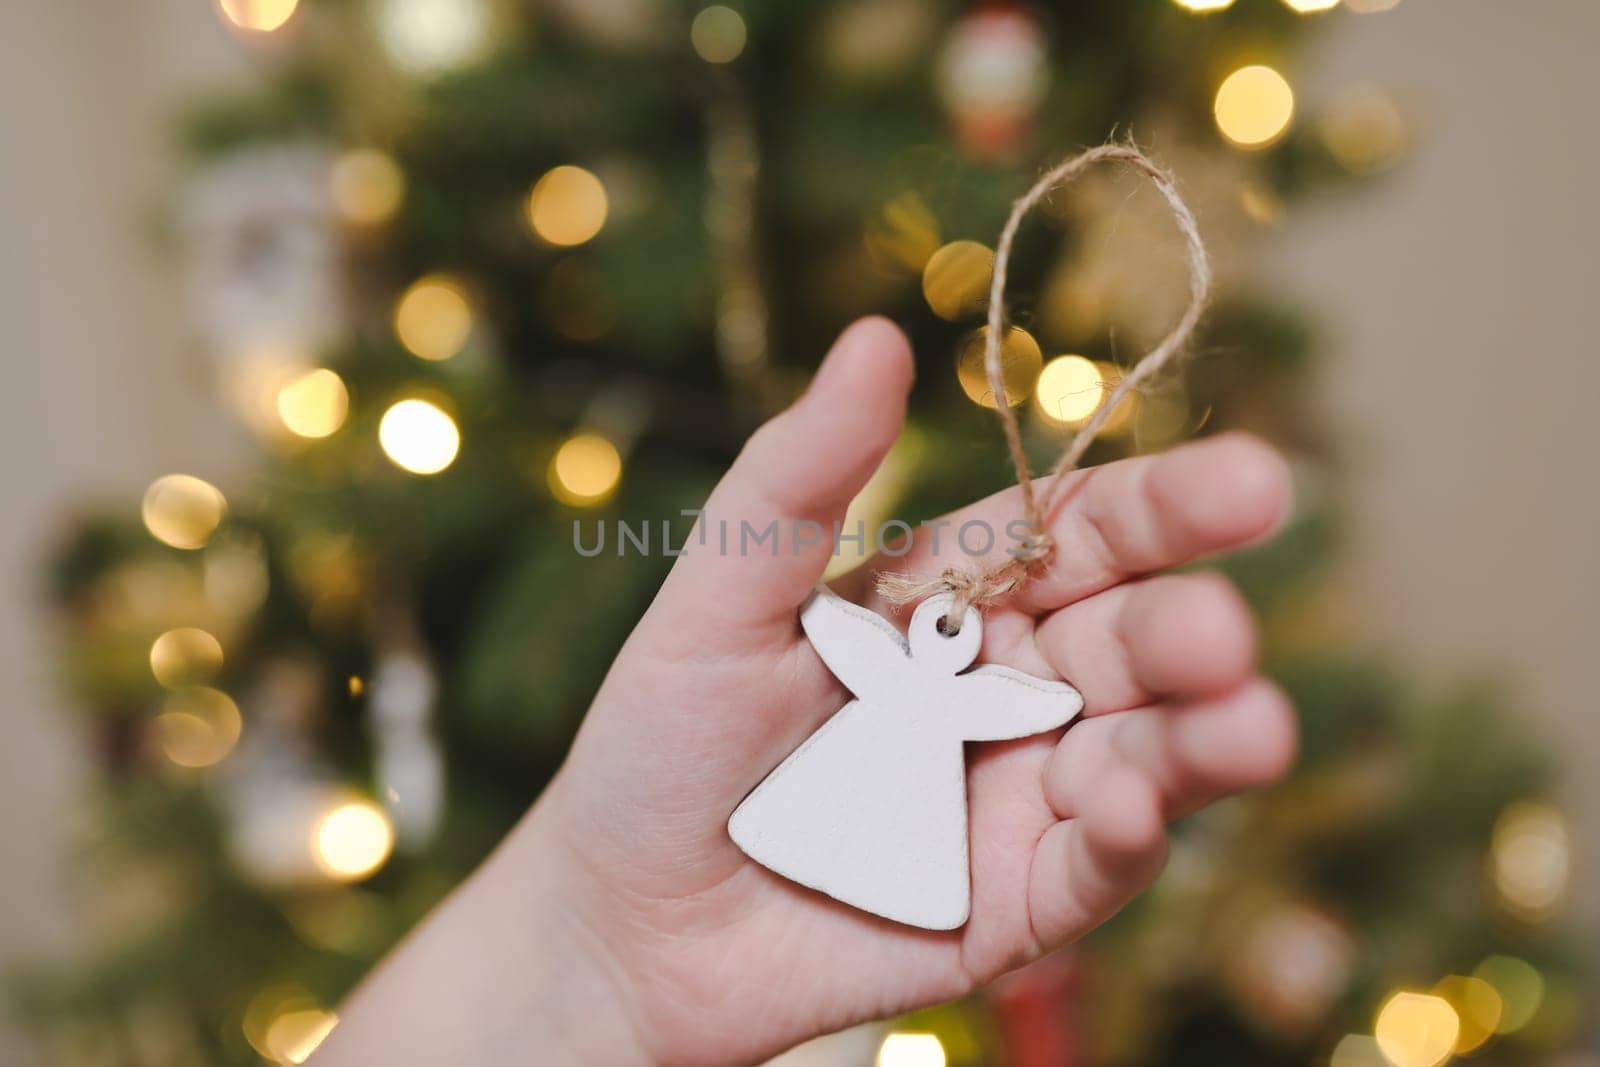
pixel 475 270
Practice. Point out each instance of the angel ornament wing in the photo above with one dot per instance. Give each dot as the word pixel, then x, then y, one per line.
pixel 872 808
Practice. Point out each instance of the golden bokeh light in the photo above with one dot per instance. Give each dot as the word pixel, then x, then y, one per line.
pixel 1125 418
pixel 185 656
pixel 267 1004
pixel 1261 203
pixel 285 1024
pixel 183 511
pixel 1521 989
pixel 198 726
pixel 1075 303
pixel 314 405
pixel 258 16
pixel 911 1050
pixel 431 36
pixel 352 840
pixel 1416 1029
pixel 294 1035
pixel 1477 1005
pixel 235 578
pixel 1162 417
pixel 1307 7
pixel 1530 860
pixel 1020 365
pixel 251 379
pixel 718 34
pixel 1254 106
pixel 567 206
pixel 1357 1050
pixel 1069 390
pixel 955 280
pixel 419 436
pixel 1204 5
pixel 904 235
pixel 1295 961
pixel 367 186
pixel 585 470
pixel 1366 133
pixel 349 920
pixel 433 318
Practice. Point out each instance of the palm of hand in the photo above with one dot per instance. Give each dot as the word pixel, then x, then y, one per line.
pixel 723 961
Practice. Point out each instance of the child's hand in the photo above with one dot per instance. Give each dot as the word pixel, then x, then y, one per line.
pixel 622 924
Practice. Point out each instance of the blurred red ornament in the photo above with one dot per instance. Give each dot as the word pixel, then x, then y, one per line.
pixel 992 75
pixel 1036 1013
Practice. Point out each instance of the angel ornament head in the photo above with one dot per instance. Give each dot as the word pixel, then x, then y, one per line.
pixel 872 808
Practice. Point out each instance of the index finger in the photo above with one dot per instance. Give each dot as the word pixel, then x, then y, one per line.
pixel 1114 522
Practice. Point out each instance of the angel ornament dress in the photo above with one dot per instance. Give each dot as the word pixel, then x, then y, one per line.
pixel 872 808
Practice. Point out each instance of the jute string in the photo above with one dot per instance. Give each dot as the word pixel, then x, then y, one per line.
pixel 979 587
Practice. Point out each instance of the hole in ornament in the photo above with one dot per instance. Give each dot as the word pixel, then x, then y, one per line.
pixel 946 627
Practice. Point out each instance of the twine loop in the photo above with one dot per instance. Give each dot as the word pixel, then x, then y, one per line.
pixel 978 588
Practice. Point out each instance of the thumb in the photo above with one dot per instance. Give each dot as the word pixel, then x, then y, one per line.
pixel 767 531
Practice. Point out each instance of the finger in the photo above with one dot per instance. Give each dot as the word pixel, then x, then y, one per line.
pixel 766 533
pixel 1193 753
pixel 1085 869
pixel 1121 520
pixel 1180 635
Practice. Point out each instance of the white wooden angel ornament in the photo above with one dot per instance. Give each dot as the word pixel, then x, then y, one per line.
pixel 872 808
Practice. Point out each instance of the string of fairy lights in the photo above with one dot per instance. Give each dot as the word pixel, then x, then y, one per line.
pixel 435 319
pixel 568 206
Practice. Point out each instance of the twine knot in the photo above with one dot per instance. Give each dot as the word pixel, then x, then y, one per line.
pixel 969 587
pixel 1036 547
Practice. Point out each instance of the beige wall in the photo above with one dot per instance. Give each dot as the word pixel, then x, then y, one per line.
pixel 1456 290
pixel 1463 377
pixel 99 387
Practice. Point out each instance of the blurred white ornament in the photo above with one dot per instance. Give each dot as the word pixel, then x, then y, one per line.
pixel 432 36
pixel 410 767
pixel 262 256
